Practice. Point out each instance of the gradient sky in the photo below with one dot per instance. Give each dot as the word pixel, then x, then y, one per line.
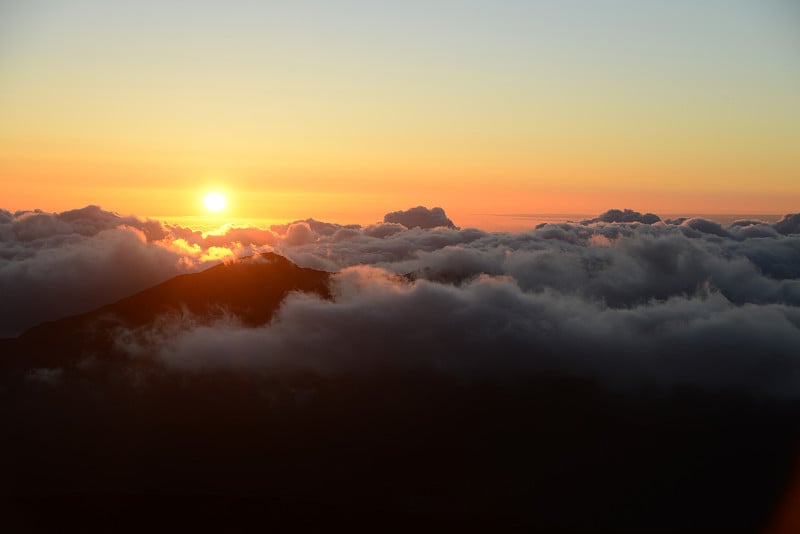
pixel 346 110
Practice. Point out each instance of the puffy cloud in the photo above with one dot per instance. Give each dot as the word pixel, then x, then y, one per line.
pixel 27 226
pixel 420 217
pixel 611 292
pixel 383 230
pixel 695 226
pixel 619 264
pixel 57 264
pixel 76 273
pixel 317 227
pixel 491 327
pixel 686 303
pixel 624 216
pixel 299 234
pixel 789 224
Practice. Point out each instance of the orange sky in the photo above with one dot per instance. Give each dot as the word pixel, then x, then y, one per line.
pixel 343 115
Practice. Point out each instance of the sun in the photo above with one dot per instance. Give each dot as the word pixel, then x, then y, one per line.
pixel 215 201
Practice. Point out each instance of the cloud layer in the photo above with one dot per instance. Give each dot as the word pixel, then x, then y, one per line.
pixel 490 327
pixel 623 297
pixel 57 264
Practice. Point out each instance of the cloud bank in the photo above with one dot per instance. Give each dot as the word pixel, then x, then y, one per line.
pixel 490 327
pixel 58 264
pixel 624 297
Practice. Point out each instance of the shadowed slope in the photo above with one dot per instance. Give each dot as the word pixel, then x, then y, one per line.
pixel 250 289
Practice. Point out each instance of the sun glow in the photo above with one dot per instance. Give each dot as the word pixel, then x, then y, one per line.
pixel 215 201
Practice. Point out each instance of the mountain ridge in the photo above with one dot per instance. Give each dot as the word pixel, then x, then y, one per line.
pixel 251 289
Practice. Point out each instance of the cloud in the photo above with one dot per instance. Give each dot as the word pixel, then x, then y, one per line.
pixel 490 327
pixel 695 227
pixel 57 276
pixel 689 302
pixel 420 217
pixel 624 216
pixel 57 264
pixel 299 234
pixel 614 297
pixel 619 264
pixel 226 236
pixel 317 227
pixel 789 224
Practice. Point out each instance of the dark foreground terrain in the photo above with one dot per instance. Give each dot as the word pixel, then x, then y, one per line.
pixel 112 443
pixel 390 451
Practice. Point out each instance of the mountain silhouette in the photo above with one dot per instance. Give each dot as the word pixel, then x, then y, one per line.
pixel 249 289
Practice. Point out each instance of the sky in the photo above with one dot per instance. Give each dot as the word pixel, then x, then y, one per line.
pixel 346 110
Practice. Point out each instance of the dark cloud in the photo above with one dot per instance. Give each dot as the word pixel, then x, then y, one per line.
pixel 789 224
pixel 694 227
pixel 624 216
pixel 420 217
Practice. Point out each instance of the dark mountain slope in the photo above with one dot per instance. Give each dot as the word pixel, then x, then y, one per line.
pixel 250 289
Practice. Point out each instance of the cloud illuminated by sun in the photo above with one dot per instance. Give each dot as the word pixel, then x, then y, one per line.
pixel 215 201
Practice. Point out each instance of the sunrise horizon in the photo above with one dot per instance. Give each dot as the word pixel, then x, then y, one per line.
pixel 354 111
pixel 422 266
pixel 212 220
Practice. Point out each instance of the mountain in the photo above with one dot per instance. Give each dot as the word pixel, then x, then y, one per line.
pixel 249 289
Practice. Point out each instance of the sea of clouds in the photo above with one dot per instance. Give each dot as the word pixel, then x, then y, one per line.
pixel 624 297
